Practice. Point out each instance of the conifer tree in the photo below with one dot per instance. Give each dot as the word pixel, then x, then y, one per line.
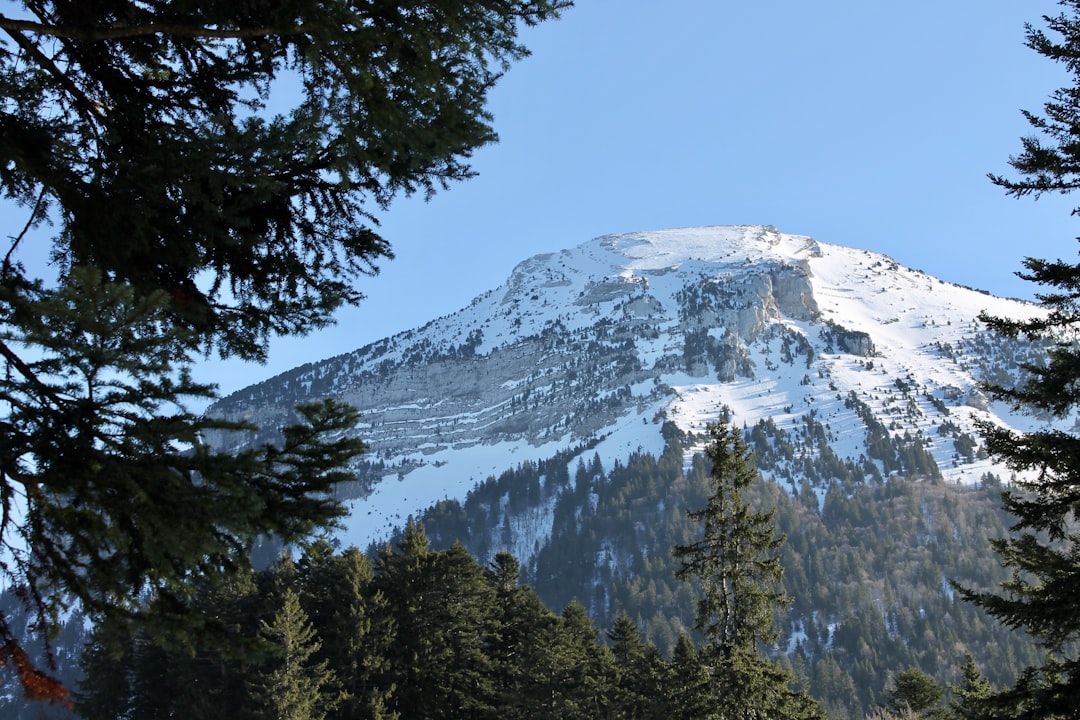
pixel 688 689
pixel 639 676
pixel 214 168
pixel 107 680
pixel 142 674
pixel 443 612
pixel 737 569
pixel 625 638
pixel 120 498
pixel 352 622
pixel 522 622
pixel 913 691
pixel 1044 551
pixel 972 690
pixel 585 669
pixel 294 686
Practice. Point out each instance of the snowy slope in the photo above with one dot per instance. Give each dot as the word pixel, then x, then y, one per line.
pixel 597 345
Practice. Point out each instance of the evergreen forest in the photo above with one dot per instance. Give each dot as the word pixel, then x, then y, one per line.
pixel 868 565
pixel 728 577
pixel 446 622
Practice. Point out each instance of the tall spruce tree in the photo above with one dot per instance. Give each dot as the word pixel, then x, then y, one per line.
pixel 640 671
pixel 584 670
pixel 970 693
pixel 442 607
pixel 737 569
pixel 1044 551
pixel 294 685
pixel 138 674
pixel 519 643
pixel 204 176
pixel 689 688
pixel 352 622
pixel 914 692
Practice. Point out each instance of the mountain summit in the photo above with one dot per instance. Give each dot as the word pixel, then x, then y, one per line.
pixel 597 346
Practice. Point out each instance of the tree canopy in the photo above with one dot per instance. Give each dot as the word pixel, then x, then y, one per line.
pixel 202 177
pixel 736 563
pixel 417 633
pixel 1043 555
pixel 234 155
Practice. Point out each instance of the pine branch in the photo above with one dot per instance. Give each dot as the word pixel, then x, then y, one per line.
pixel 89 109
pixel 121 31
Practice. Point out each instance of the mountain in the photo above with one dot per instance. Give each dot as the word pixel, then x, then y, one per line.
pixel 597 345
pixel 559 416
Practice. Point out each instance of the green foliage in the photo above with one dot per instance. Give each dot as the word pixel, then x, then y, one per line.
pixel 737 566
pixel 118 497
pixel 203 177
pixel 161 139
pixel 439 605
pixel 1044 555
pixel 439 637
pixel 351 619
pixel 689 689
pixel 736 560
pixel 142 673
pixel 913 691
pixel 427 618
pixel 969 694
pixel 292 686
pixel 866 562
pixel 638 668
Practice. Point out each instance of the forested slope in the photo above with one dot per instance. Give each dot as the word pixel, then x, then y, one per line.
pixel 868 563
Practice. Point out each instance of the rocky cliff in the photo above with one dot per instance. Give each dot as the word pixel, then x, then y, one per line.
pixel 596 345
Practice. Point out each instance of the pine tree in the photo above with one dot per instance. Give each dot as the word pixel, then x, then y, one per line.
pixel 107 680
pixel 737 568
pixel 688 690
pixel 970 693
pixel 152 149
pixel 444 614
pixel 142 673
pixel 157 138
pixel 1044 551
pixel 352 622
pixel 521 635
pixel 294 686
pixel 639 676
pixel 584 674
pixel 122 498
pixel 631 690
pixel 913 691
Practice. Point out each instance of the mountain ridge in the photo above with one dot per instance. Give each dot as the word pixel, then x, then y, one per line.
pixel 595 346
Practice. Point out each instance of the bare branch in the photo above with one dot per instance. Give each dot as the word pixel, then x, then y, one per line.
pixel 6 267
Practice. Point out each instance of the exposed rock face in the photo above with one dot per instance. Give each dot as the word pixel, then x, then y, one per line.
pixel 568 373
pixel 852 342
pixel 794 293
pixel 626 330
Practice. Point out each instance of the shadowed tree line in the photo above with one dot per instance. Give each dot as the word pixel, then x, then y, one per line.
pixel 418 632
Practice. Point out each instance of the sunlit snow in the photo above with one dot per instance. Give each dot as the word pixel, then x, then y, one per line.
pixel 921 376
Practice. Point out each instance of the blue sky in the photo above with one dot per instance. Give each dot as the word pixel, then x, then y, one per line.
pixel 859 123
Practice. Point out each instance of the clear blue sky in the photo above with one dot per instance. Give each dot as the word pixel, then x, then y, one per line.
pixel 857 122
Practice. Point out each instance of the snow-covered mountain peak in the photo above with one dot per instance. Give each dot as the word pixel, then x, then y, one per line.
pixel 599 345
pixel 643 253
pixel 731 244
